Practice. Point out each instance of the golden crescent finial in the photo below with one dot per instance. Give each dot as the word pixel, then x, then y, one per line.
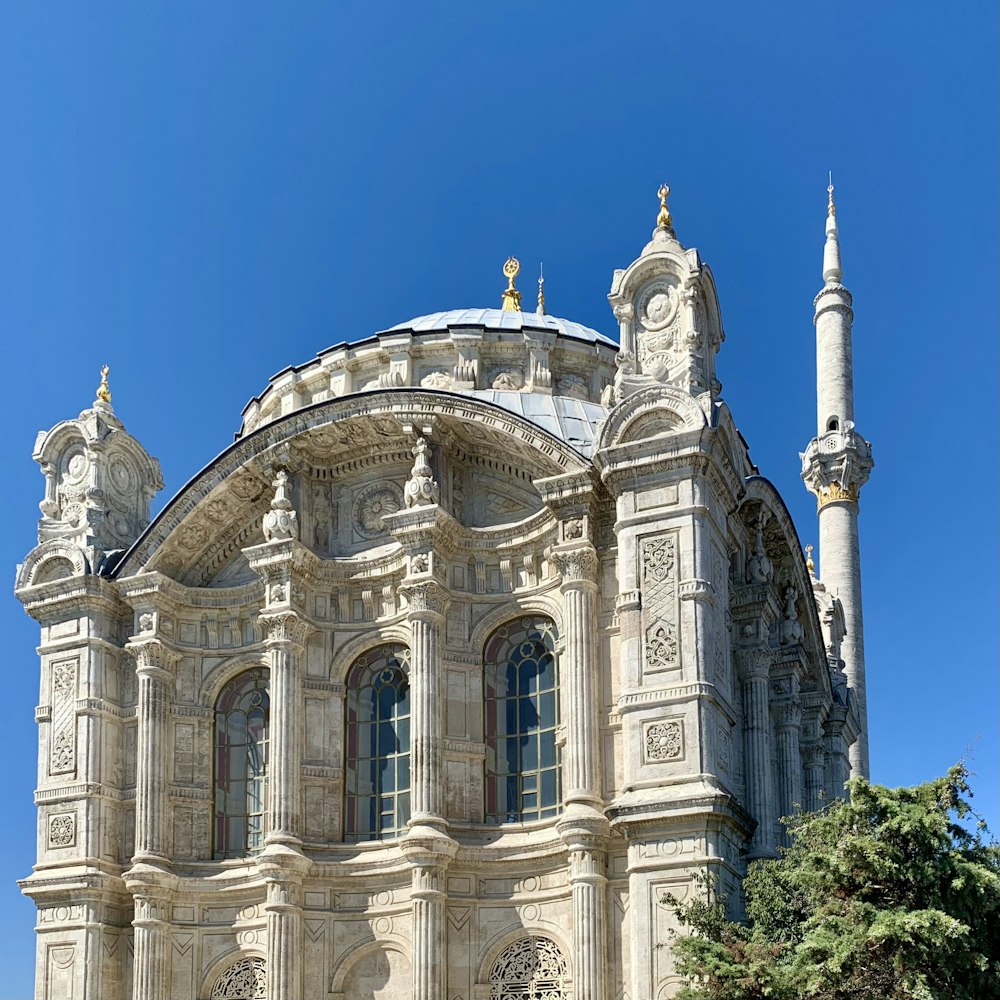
pixel 103 392
pixel 810 565
pixel 511 301
pixel 541 290
pixel 831 209
pixel 663 220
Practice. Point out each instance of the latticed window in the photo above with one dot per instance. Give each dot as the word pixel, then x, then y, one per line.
pixel 530 969
pixel 243 980
pixel 241 737
pixel 377 779
pixel 522 713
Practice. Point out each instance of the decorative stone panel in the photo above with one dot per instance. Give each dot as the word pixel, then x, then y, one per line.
pixel 62 746
pixel 62 830
pixel 663 741
pixel 658 573
pixel 245 979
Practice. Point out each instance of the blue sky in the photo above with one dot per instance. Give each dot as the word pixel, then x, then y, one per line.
pixel 201 195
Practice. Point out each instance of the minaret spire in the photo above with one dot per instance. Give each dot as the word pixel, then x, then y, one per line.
pixel 835 466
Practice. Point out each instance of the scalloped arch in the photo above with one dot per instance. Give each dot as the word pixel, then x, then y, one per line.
pixel 536 604
pixel 344 657
pixel 494 949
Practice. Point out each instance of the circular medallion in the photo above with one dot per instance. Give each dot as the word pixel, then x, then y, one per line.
pixel 122 477
pixel 76 466
pixel 658 306
pixel 372 504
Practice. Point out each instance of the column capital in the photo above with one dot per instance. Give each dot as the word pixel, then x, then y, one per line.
pixel 281 627
pixel 787 713
pixel 576 562
pixel 153 657
pixel 755 661
pixel 425 597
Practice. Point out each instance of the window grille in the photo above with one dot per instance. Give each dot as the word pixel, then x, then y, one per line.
pixel 377 779
pixel 522 714
pixel 532 968
pixel 243 980
pixel 241 752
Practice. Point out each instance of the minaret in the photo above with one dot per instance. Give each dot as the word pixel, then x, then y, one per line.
pixel 835 466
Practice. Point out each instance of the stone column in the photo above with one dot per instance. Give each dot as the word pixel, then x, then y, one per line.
pixel 838 732
pixel 583 825
pixel 814 758
pixel 755 663
pixel 285 636
pixel 154 666
pixel 151 943
pixel 427 846
pixel 788 717
pixel 281 862
pixel 283 909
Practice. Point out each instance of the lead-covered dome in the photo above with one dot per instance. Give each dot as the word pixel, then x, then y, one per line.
pixel 551 371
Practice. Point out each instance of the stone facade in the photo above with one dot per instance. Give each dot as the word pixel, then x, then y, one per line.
pixel 484 637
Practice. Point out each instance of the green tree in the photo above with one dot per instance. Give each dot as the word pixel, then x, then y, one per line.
pixel 884 895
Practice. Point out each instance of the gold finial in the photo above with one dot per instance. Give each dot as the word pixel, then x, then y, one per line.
pixel 810 565
pixel 511 301
pixel 541 290
pixel 663 220
pixel 103 392
pixel 831 209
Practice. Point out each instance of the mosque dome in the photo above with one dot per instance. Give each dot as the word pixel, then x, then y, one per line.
pixel 551 371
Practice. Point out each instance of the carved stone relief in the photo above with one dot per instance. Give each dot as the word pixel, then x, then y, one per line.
pixel 62 830
pixel 62 750
pixel 372 504
pixel 664 741
pixel 659 602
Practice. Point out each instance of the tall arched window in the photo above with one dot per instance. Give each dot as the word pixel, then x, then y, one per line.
pixel 377 779
pixel 522 713
pixel 241 735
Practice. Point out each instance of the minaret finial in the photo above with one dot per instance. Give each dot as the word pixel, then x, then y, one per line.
pixel 511 301
pixel 541 290
pixel 832 271
pixel 663 220
pixel 103 392
pixel 810 565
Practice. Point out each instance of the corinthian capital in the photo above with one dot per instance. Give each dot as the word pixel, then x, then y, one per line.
pixel 575 563
pixel 153 656
pixel 285 626
pixel 754 662
pixel 426 597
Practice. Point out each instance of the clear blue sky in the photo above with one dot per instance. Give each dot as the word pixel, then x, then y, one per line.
pixel 203 194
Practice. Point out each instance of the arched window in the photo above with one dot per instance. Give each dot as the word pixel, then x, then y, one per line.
pixel 522 713
pixel 245 979
pixel 377 779
pixel 529 968
pixel 241 733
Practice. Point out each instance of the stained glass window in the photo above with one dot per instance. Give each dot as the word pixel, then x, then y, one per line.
pixel 522 713
pixel 377 779
pixel 241 738
pixel 532 968
pixel 243 980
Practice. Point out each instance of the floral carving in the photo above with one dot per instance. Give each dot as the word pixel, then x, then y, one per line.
pixel 529 968
pixel 510 380
pixel 659 599
pixel 62 830
pixel 62 752
pixel 243 980
pixel 664 741
pixel 372 505
pixel 661 646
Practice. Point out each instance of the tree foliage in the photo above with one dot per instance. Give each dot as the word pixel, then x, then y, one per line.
pixel 884 895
